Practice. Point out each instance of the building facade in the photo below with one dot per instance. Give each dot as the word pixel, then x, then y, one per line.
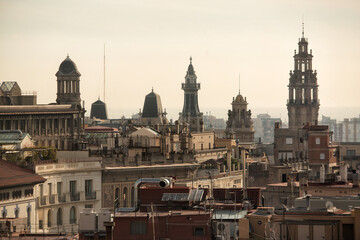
pixel 72 184
pixel 17 199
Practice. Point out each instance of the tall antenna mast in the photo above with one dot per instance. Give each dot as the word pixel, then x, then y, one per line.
pixel 303 26
pixel 104 72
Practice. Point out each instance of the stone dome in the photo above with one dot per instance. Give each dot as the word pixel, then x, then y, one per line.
pixel 239 98
pixel 68 66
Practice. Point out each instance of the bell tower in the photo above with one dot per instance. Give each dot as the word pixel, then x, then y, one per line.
pixel 191 113
pixel 68 83
pixel 303 103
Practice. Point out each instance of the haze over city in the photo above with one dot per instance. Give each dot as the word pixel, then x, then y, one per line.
pixel 148 45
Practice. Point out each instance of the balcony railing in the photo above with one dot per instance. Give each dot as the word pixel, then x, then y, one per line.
pixel 61 198
pixel 90 196
pixel 43 200
pixel 74 197
pixel 52 199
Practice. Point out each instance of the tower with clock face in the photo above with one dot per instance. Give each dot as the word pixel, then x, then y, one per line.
pixel 68 83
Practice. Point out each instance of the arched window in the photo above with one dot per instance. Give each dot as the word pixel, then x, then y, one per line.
pixel 59 217
pixel 49 218
pixel 4 214
pixel 72 215
pixel 132 197
pixel 125 197
pixel 117 198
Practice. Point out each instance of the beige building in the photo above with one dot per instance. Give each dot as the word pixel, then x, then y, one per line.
pixel 349 153
pixel 54 125
pixel 17 200
pixel 72 184
pixel 304 224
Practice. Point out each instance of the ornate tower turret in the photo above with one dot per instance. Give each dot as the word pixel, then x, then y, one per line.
pixel 303 104
pixel 191 113
pixel 68 83
pixel 239 124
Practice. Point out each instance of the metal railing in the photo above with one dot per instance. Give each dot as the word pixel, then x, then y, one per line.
pixel 61 198
pixel 52 199
pixel 75 196
pixel 43 200
pixel 90 196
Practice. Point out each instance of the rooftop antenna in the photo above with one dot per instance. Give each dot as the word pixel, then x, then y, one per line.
pixel 104 72
pixel 303 26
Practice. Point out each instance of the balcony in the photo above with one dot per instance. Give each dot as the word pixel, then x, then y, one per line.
pixel 75 196
pixel 43 200
pixel 52 199
pixel 61 198
pixel 90 196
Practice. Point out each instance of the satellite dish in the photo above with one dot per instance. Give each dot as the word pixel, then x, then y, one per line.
pixel 329 205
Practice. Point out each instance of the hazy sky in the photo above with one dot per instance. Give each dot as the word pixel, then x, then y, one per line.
pixel 149 42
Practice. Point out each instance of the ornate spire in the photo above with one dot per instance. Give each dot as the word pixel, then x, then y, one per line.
pixel 190 60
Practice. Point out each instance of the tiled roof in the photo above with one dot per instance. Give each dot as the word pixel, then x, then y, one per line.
pixel 11 136
pixel 38 109
pixel 12 175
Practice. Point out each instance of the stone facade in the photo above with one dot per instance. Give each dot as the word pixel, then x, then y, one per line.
pixel 191 113
pixel 72 184
pixel 58 126
pixel 239 124
pixel 68 83
pixel 303 104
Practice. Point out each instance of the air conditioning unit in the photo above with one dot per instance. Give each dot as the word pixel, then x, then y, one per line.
pixel 223 230
pixel 103 216
pixel 87 220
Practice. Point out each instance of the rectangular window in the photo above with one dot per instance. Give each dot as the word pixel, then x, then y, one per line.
pixel 59 188
pixel 138 228
pixel 88 206
pixel 88 187
pixel 199 231
pixel 40 224
pixel 350 153
pixel 50 189
pixel 289 141
pixel 72 188
pixel 322 156
pixel 317 140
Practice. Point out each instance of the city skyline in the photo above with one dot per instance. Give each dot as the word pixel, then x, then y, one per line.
pixel 148 44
